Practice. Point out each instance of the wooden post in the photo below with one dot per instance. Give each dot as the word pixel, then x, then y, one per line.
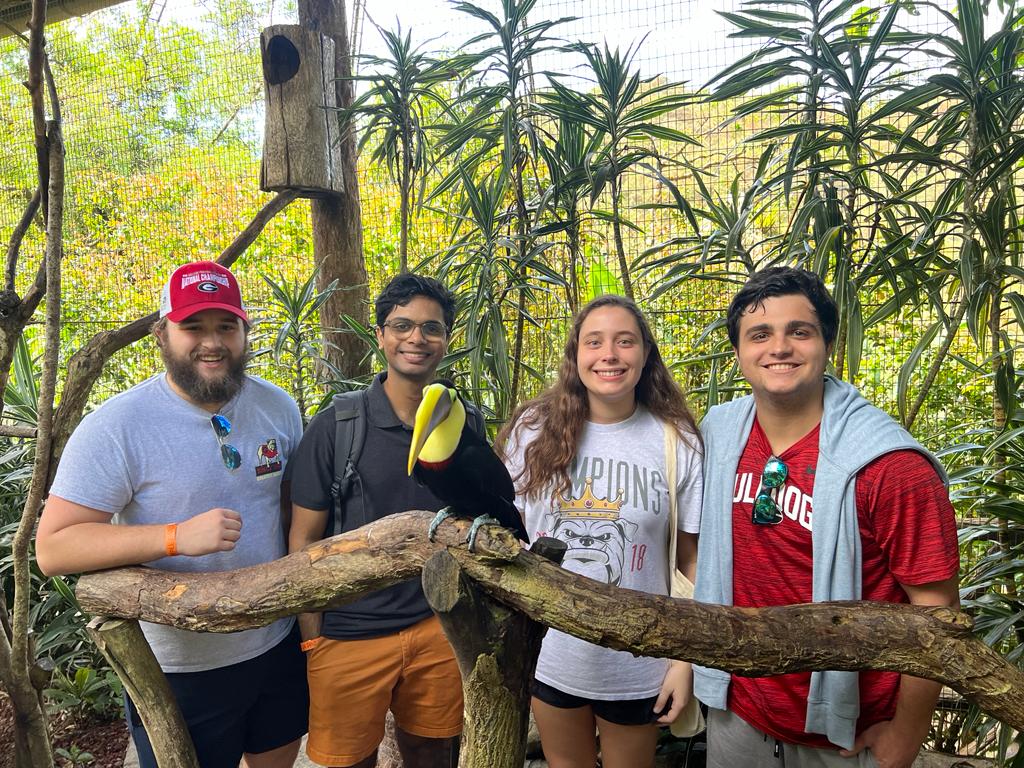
pixel 301 149
pixel 123 645
pixel 496 648
pixel 337 219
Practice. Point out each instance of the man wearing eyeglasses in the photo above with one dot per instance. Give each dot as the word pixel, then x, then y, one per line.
pixel 386 650
pixel 811 494
pixel 183 472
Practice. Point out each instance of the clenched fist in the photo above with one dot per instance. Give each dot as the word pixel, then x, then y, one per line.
pixel 215 530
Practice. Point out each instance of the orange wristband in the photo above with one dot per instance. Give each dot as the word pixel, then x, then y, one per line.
pixel 309 645
pixel 171 539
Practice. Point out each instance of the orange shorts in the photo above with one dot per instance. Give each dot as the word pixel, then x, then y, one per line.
pixel 353 683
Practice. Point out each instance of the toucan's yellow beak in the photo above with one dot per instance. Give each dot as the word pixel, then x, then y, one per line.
pixel 433 410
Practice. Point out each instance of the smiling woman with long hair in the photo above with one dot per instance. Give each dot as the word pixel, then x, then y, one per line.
pixel 589 460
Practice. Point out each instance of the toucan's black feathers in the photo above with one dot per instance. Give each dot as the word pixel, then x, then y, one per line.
pixel 474 482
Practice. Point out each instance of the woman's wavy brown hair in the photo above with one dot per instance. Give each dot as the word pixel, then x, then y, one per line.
pixel 559 413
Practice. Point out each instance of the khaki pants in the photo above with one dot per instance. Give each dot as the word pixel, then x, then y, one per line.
pixel 732 743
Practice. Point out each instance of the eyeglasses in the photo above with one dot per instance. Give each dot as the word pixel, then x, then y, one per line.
pixel 228 453
pixel 431 329
pixel 766 510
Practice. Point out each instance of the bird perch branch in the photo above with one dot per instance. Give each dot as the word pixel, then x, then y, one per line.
pixel 934 643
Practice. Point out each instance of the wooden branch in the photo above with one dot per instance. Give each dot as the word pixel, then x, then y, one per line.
pixel 934 643
pixel 86 365
pixel 17 237
pixel 51 90
pixel 247 236
pixel 127 650
pixel 32 743
pixel 84 368
pixel 34 294
pixel 497 650
pixel 37 289
pixel 17 430
pixel 34 83
pixel 331 572
pixel 27 307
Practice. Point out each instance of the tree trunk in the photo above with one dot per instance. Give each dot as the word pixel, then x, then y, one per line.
pixel 523 243
pixel 17 649
pixel 1009 533
pixel 620 248
pixel 517 351
pixel 337 219
pixel 572 287
pixel 839 362
pixel 406 191
pixel 940 358
pixel 127 650
pixel 934 643
pixel 497 652
pixel 31 737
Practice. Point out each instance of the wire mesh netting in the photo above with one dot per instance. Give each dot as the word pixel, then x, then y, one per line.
pixel 163 117
pixel 163 112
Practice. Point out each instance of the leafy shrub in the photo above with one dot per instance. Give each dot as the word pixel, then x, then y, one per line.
pixel 87 693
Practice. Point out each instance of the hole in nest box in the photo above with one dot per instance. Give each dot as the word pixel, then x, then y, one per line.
pixel 282 60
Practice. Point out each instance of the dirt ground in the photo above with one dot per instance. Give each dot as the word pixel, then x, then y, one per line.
pixel 106 742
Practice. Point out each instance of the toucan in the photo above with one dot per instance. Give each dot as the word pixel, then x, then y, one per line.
pixel 458 465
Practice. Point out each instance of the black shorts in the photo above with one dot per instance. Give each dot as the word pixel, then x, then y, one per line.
pixel 620 712
pixel 250 707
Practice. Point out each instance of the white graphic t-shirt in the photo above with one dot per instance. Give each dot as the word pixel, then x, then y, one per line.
pixel 615 524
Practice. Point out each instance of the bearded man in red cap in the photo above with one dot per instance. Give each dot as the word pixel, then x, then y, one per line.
pixel 174 474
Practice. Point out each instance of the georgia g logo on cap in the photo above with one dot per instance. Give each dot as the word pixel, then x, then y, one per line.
pixel 199 286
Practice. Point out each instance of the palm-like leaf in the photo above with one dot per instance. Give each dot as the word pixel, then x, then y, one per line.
pixel 403 94
pixel 841 87
pixel 295 344
pixel 969 130
pixel 496 259
pixel 566 154
pixel 622 111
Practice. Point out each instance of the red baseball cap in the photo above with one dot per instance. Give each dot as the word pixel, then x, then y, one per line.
pixel 198 286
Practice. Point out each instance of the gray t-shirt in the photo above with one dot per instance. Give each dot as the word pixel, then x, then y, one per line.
pixel 147 456
pixel 615 523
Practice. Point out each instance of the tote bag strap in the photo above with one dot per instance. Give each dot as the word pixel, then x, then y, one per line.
pixel 673 508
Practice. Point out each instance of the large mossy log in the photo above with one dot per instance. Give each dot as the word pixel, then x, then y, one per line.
pixel 934 643
pixel 125 648
pixel 496 648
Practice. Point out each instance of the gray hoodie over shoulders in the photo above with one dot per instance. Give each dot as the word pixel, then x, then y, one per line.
pixel 853 434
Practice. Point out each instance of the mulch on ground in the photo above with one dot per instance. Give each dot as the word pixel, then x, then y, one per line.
pixel 105 741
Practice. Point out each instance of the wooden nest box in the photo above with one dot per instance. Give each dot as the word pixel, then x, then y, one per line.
pixel 301 140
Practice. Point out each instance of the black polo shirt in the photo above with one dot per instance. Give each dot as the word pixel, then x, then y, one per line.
pixel 382 487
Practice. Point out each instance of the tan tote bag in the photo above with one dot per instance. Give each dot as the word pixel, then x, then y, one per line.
pixel 691 720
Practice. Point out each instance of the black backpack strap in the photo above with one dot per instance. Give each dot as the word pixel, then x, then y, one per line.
pixel 349 436
pixel 475 419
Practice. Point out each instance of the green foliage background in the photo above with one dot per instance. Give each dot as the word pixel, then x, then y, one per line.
pixel 163 126
pixel 163 123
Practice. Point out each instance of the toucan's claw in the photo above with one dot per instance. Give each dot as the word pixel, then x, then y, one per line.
pixel 474 529
pixel 439 518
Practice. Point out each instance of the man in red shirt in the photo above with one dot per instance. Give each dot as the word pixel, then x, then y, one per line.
pixel 812 494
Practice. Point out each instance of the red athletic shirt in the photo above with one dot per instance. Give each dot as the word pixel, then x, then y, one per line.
pixel 908 535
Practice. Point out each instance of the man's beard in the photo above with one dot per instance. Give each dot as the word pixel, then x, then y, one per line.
pixel 183 372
